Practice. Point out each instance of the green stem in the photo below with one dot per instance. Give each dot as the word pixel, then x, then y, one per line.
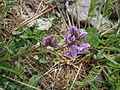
pixel 20 54
pixel 24 53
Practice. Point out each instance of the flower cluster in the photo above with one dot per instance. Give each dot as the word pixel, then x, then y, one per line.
pixel 74 50
pixel 72 37
pixel 50 42
pixel 75 35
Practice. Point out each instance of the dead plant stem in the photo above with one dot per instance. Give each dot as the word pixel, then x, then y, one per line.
pixel 76 76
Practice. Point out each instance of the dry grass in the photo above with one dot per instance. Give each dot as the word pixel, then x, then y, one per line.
pixel 56 77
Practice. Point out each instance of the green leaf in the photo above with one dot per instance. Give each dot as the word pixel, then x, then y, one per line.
pixel 33 81
pixel 115 66
pixel 7 67
pixel 99 55
pixel 24 36
pixel 114 72
pixel 9 49
pixel 92 37
pixel 112 48
pixel 110 59
pixel 80 83
pixel 92 6
pixel 36 57
pixel 91 77
pixel 117 58
pixel 107 14
pixel 11 0
pixel 42 60
pixel 29 32
pixel 42 35
pixel 12 4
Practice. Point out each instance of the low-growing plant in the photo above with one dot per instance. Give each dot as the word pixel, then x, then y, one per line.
pixel 102 47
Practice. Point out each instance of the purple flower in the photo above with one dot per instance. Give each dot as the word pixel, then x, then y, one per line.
pixel 72 53
pixel 50 42
pixel 58 45
pixel 73 30
pixel 75 35
pixel 72 38
pixel 76 49
pixel 67 38
pixel 80 48
pixel 83 47
pixel 72 34
pixel 83 35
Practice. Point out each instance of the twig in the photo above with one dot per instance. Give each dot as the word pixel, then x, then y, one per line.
pixel 56 28
pixel 62 16
pixel 21 83
pixel 33 17
pixel 104 71
pixel 68 19
pixel 109 29
pixel 72 17
pixel 38 9
pixel 76 76
pixel 78 16
pixel 21 53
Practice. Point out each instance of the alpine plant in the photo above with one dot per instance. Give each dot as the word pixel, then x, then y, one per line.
pixel 72 44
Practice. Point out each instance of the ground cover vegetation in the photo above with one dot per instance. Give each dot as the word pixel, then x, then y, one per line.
pixel 43 47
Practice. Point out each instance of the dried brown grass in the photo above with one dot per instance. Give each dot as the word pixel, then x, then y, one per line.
pixel 56 77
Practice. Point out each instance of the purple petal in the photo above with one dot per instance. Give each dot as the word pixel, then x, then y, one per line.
pixel 58 46
pixel 75 46
pixel 50 41
pixel 73 38
pixel 72 53
pixel 44 40
pixel 84 50
pixel 81 48
pixel 66 45
pixel 72 30
pixel 67 38
pixel 85 45
pixel 83 35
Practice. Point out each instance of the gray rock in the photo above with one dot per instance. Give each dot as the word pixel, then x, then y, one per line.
pixel 82 6
pixel 99 22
